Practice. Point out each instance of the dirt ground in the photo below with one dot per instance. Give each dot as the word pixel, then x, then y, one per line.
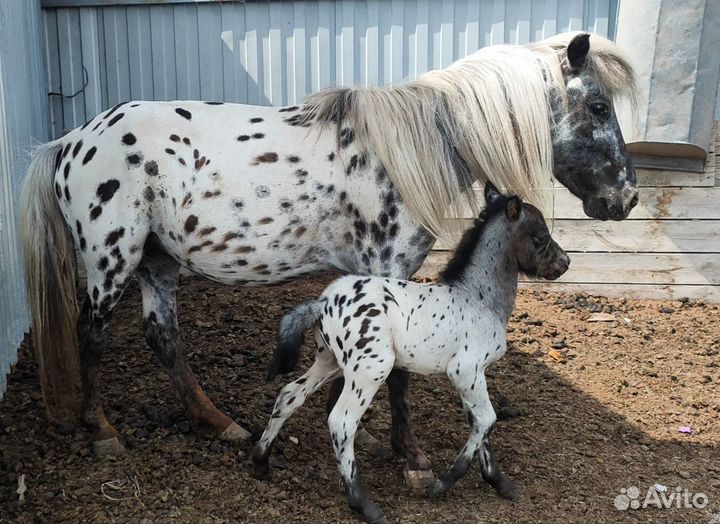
pixel 599 414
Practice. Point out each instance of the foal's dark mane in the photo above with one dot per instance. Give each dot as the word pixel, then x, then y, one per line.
pixel 465 248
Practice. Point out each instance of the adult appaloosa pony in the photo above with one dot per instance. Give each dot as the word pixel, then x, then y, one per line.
pixel 360 180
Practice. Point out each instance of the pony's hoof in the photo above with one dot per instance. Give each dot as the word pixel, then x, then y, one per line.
pixel 110 447
pixel 419 479
pixel 234 433
pixel 507 489
pixel 436 489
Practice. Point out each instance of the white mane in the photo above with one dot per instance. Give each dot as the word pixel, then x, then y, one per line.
pixel 486 117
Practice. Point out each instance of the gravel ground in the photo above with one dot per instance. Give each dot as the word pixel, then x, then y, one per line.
pixel 589 409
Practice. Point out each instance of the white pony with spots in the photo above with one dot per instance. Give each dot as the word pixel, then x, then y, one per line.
pixel 358 180
pixel 364 327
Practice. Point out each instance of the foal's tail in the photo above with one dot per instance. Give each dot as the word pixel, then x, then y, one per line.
pixel 50 282
pixel 290 336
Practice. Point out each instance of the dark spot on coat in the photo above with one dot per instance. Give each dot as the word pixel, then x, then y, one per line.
pixel 115 119
pixel 265 220
pixel 128 139
pixel 300 231
pixel 77 148
pixel 106 190
pixel 175 138
pixel 151 168
pixel 191 223
pixel 256 120
pixel 169 151
pixel 66 171
pixel 67 194
pixel 115 235
pixel 149 194
pixel 95 212
pixel 183 113
pixel 258 135
pixel 267 158
pixel 89 155
pixel 133 159
pixel 293 159
pixel 243 138
pixel 206 231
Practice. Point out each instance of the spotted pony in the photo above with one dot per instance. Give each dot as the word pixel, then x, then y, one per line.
pixel 355 180
pixel 365 327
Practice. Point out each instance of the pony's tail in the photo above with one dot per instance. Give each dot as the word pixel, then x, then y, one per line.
pixel 290 336
pixel 50 281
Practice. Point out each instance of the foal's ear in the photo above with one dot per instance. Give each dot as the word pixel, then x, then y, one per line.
pixel 577 51
pixel 513 208
pixel 491 193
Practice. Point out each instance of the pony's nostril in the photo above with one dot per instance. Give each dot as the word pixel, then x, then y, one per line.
pixel 634 201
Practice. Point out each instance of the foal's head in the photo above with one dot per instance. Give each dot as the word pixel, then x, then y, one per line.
pixel 537 254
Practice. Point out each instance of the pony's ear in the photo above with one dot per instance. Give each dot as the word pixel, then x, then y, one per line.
pixel 513 208
pixel 491 193
pixel 577 51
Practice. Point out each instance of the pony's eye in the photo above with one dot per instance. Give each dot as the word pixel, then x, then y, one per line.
pixel 600 109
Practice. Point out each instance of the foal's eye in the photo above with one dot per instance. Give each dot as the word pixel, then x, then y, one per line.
pixel 539 240
pixel 600 109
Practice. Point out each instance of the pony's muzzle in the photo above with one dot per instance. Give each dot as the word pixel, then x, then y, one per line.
pixel 558 267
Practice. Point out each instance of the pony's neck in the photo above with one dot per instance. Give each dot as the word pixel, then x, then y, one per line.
pixel 491 276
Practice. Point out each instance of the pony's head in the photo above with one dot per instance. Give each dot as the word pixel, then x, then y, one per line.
pixel 589 154
pixel 537 254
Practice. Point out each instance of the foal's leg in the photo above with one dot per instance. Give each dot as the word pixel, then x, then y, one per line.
pixel 476 401
pixel 403 441
pixel 289 400
pixel 354 400
pixel 157 275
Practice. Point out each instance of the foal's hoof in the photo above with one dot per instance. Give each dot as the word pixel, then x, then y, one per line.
pixel 108 448
pixel 436 489
pixel 261 466
pixel 234 433
pixel 366 441
pixel 507 490
pixel 419 479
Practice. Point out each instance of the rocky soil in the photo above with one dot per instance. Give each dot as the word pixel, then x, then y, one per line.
pixel 588 408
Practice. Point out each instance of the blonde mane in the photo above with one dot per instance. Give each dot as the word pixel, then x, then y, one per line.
pixel 486 117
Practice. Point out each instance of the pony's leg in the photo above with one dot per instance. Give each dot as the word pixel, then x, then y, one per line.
pixel 355 398
pixel 92 328
pixel 482 416
pixel 107 276
pixel 157 274
pixel 289 400
pixel 419 470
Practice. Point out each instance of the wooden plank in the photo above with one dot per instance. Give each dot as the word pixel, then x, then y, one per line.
pixel 634 236
pixel 622 268
pixel 662 177
pixel 638 291
pixel 662 203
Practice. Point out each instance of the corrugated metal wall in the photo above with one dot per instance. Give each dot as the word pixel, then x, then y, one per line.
pixel 23 123
pixel 275 52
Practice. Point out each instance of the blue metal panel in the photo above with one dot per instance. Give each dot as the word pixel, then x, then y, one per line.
pixel 277 51
pixel 23 124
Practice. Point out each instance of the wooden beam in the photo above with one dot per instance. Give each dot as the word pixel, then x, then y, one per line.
pixel 623 268
pixel 663 203
pixel 654 236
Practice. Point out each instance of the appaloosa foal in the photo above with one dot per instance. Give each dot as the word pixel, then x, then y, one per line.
pixel 371 325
